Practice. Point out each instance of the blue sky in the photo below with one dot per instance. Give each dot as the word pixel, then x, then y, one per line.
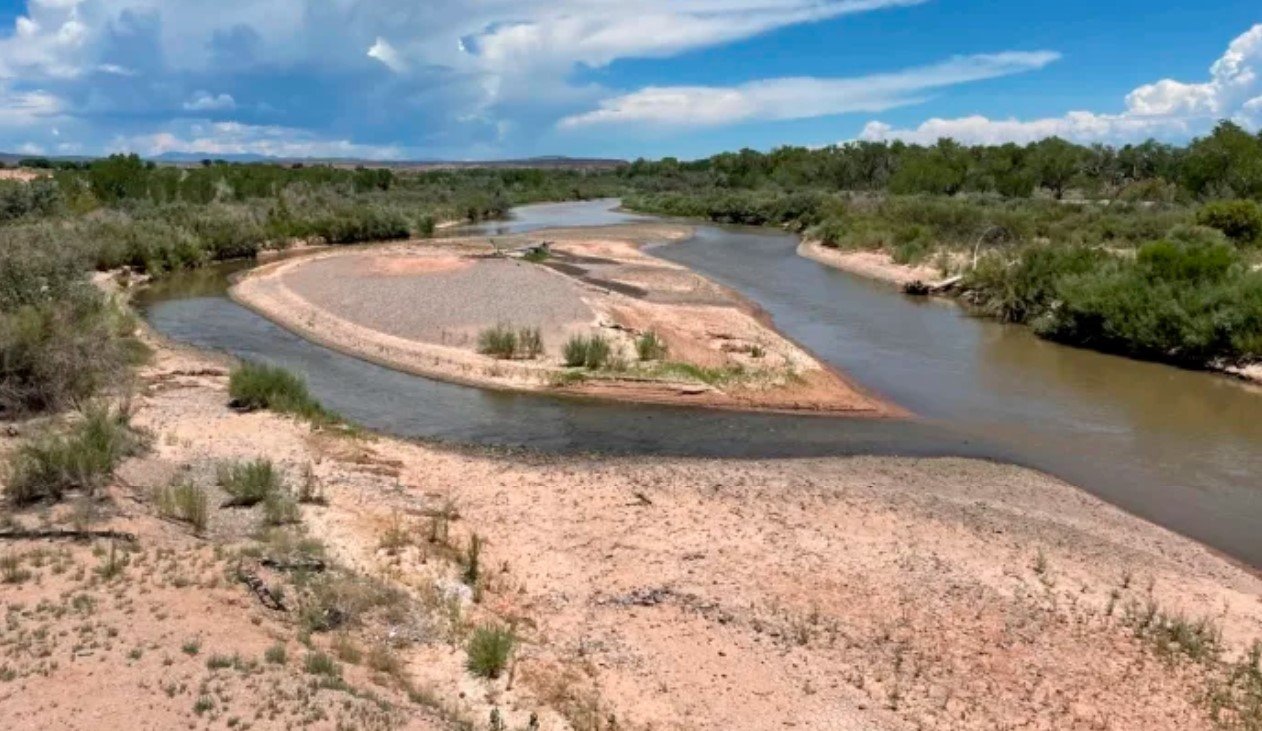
pixel 463 79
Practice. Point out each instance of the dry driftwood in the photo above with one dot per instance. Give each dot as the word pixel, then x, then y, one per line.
pixel 266 596
pixel 301 564
pixel 65 535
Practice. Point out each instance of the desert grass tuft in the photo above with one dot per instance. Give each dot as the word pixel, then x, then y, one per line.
pixel 249 483
pixel 490 649
pixel 186 502
pixel 82 459
pixel 650 346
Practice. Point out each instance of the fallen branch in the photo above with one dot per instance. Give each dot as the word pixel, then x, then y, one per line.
pixel 302 564
pixel 65 535
pixel 266 596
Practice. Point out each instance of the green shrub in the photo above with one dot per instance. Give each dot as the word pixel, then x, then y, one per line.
pixel 60 353
pixel 1019 291
pixel 276 654
pixel 184 501
pixel 254 386
pixel 529 342
pixel 83 459
pixel 650 346
pixel 499 341
pixel 505 343
pixel 249 483
pixel 489 650
pixel 1240 220
pixel 1186 302
pixel 588 352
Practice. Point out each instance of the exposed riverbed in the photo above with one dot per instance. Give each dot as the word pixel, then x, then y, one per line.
pixel 1183 449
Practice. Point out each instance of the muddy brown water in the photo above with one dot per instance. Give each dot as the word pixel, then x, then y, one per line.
pixel 1180 448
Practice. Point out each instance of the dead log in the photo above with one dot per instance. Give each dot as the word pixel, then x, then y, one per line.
pixel 314 565
pixel 266 596
pixel 65 535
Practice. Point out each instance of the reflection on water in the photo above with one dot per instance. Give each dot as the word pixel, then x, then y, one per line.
pixel 1181 448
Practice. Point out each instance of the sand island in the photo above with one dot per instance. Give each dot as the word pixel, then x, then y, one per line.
pixel 575 311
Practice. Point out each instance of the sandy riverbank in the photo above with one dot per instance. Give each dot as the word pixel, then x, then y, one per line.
pixel 876 265
pixel 421 307
pixel 856 593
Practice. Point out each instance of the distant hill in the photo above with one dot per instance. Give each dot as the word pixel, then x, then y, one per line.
pixel 196 158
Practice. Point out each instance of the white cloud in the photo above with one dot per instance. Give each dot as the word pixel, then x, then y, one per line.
pixel 204 101
pixel 802 97
pixel 234 138
pixel 27 108
pixel 30 148
pixel 489 40
pixel 1161 109
pixel 386 53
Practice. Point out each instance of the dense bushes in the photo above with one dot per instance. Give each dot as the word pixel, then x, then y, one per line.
pixel 1189 302
pixel 60 339
pixel 1188 299
pixel 1240 220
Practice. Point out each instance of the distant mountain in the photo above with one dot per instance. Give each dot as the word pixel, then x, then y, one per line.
pixel 548 161
pixel 195 158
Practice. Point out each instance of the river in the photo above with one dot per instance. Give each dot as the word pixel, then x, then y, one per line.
pixel 1180 448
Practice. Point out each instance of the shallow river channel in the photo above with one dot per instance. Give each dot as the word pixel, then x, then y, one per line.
pixel 1181 448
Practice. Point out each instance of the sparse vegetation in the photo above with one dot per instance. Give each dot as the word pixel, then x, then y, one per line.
pixel 318 663
pixel 82 459
pixel 650 346
pixel 472 561
pixel 183 500
pixel 249 483
pixel 490 648
pixel 280 507
pixel 276 654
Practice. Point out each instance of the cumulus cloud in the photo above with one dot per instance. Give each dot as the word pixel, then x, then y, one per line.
pixel 444 59
pixel 802 97
pixel 386 53
pixel 27 108
pixel 204 101
pixel 235 138
pixel 1161 109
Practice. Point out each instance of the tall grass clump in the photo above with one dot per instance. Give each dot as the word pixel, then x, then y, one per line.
pixel 249 483
pixel 254 386
pixel 499 341
pixel 186 502
pixel 530 342
pixel 589 352
pixel 490 649
pixel 82 459
pixel 505 343
pixel 650 346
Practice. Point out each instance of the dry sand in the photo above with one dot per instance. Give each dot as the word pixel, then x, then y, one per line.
pixel 856 593
pixel 420 307
pixel 876 265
